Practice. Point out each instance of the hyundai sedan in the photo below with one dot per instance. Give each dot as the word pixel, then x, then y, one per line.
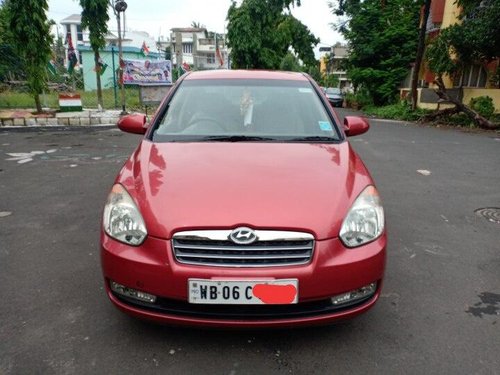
pixel 243 206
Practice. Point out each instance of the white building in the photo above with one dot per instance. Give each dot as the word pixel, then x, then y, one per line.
pixel 197 47
pixel 332 63
pixel 80 37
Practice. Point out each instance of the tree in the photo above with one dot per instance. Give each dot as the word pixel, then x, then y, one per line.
pixel 439 58
pixel 472 41
pixel 476 39
pixel 290 63
pixel 95 18
pixel 315 74
pixel 420 53
pixel 197 25
pixel 168 53
pixel 262 32
pixel 11 64
pixel 382 38
pixel 32 40
pixel 330 80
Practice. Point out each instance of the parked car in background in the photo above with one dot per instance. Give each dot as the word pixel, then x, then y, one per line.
pixel 335 96
pixel 244 206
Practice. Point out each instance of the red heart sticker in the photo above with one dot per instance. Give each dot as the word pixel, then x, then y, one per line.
pixel 275 294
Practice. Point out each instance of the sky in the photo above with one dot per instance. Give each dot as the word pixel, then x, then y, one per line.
pixel 157 17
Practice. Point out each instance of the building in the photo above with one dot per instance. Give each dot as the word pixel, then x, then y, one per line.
pixel 331 63
pixel 132 43
pixel 72 28
pixel 198 48
pixel 474 80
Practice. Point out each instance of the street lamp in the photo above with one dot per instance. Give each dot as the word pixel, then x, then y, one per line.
pixel 120 6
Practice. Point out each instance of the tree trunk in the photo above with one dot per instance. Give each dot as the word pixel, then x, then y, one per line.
pixel 480 121
pixel 439 113
pixel 420 54
pixel 38 103
pixel 98 79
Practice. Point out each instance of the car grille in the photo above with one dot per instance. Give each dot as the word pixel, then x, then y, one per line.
pixel 213 248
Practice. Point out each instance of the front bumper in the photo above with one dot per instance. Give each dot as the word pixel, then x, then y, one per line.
pixel 152 268
pixel 336 102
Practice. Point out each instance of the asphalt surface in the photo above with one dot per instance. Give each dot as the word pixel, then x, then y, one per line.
pixel 439 312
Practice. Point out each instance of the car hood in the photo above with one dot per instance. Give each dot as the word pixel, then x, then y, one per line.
pixel 216 185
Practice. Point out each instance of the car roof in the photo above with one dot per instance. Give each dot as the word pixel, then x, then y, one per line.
pixel 246 74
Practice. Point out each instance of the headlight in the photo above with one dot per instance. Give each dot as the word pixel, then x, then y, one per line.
pixel 122 220
pixel 364 221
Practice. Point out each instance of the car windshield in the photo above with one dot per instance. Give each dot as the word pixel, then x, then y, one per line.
pixel 245 110
pixel 333 91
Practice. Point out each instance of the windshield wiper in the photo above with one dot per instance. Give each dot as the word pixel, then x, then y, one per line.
pixel 316 138
pixel 236 138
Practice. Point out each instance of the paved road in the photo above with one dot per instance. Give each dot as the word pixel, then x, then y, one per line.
pixel 439 312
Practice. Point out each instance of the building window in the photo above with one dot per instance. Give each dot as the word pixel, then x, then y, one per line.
pixel 79 33
pixel 472 76
pixel 210 58
pixel 187 47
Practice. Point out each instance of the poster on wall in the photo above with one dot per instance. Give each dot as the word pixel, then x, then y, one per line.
pixel 144 72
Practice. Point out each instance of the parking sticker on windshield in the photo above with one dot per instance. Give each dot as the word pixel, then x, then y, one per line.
pixel 325 126
pixel 305 90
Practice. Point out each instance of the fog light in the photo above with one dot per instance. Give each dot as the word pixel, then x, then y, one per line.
pixel 132 293
pixel 354 295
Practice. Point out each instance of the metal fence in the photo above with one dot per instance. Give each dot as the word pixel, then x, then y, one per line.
pixel 15 94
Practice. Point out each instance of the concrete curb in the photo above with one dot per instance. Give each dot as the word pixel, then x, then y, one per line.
pixel 64 119
pixel 41 128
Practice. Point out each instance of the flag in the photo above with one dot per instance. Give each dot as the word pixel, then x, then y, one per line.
pixel 218 53
pixel 51 67
pixel 72 59
pixel 219 56
pixel 185 67
pixel 101 67
pixel 144 49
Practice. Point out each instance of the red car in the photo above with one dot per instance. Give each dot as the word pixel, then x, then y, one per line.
pixel 244 206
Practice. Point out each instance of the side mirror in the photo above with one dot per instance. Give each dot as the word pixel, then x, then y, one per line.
pixel 135 123
pixel 354 125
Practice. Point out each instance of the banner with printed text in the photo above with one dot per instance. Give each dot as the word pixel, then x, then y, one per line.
pixel 139 72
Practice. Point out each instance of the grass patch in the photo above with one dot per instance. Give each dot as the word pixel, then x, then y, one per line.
pixel 13 99
pixel 399 111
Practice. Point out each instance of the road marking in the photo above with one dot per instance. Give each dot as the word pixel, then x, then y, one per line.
pixel 424 172
pixel 26 157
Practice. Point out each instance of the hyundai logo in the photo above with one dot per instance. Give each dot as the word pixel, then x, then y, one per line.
pixel 243 236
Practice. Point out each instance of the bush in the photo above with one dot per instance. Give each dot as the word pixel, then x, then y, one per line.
pixel 363 98
pixel 483 105
pixel 399 111
pixel 358 100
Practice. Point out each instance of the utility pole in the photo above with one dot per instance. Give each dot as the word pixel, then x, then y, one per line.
pixel 114 76
pixel 119 6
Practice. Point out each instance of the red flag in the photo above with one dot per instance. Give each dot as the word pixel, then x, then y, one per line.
pixel 72 59
pixel 144 49
pixel 219 56
pixel 186 67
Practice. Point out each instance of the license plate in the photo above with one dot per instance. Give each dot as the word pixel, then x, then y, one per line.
pixel 231 292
